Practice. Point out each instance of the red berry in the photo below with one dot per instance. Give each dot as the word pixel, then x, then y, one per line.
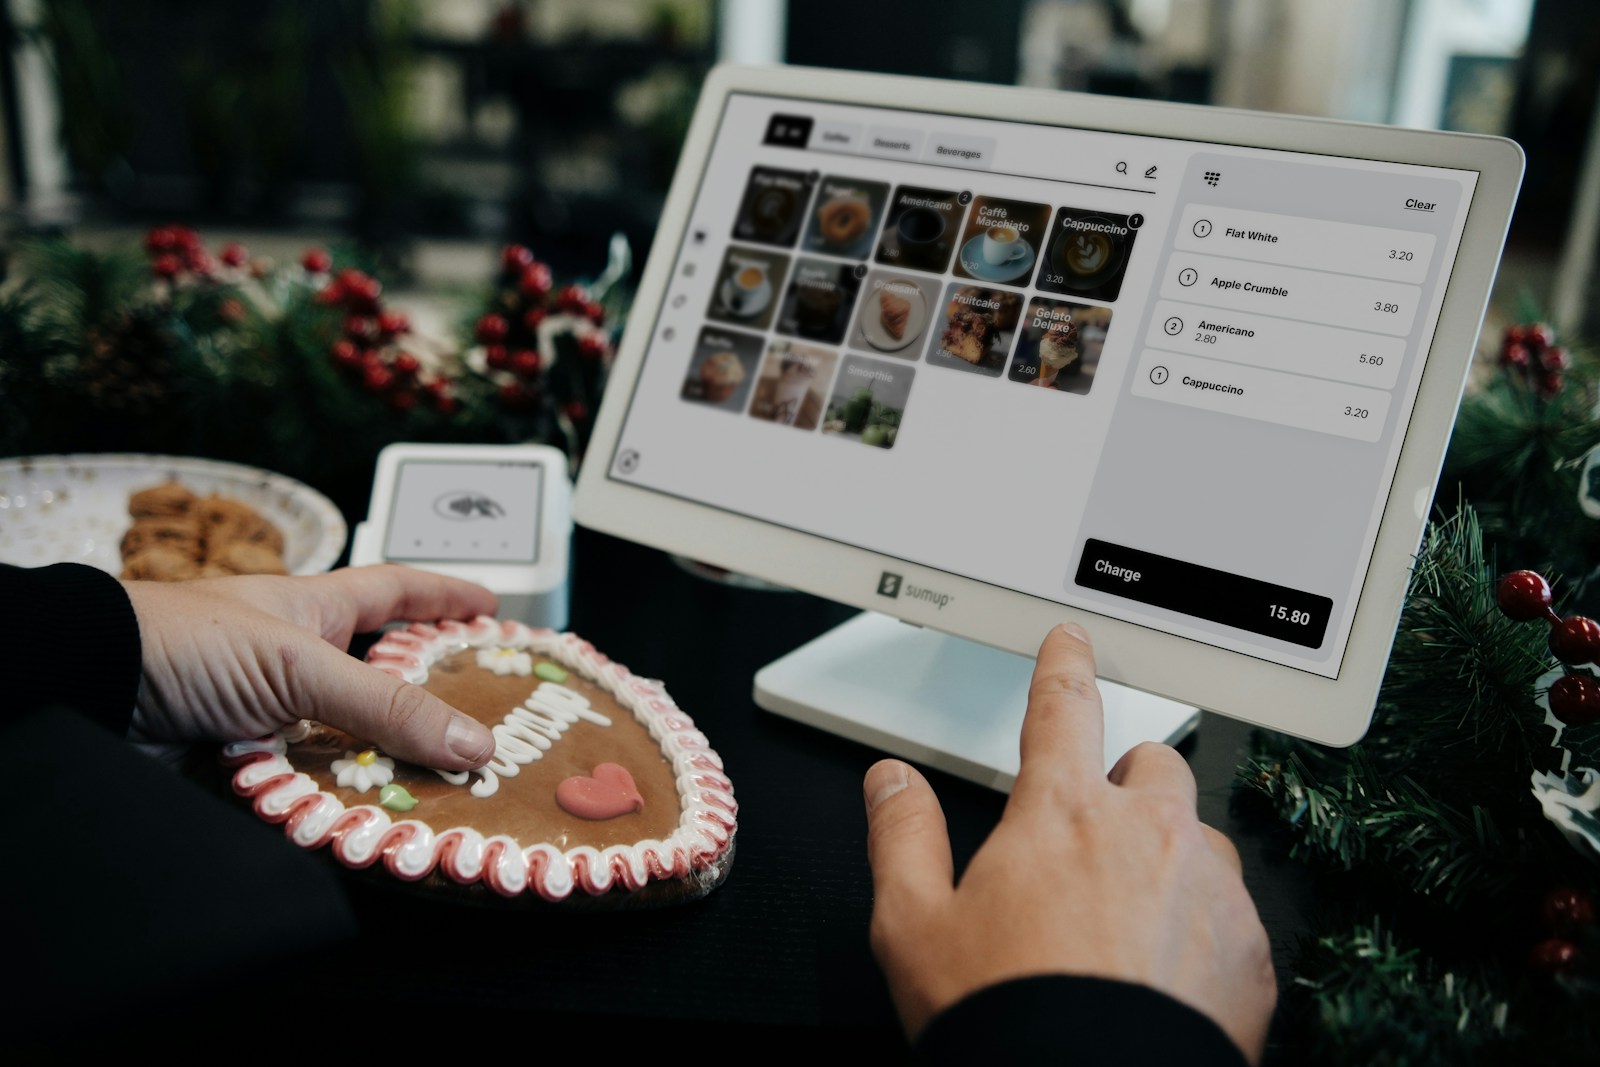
pixel 377 379
pixel 1575 699
pixel 361 292
pixel 497 357
pixel 235 254
pixel 1567 910
pixel 330 294
pixel 316 261
pixel 1539 336
pixel 200 262
pixel 231 310
pixel 525 363
pixel 492 329
pixel 1523 596
pixel 1515 355
pixel 361 328
pixel 160 239
pixel 532 318
pixel 166 265
pixel 592 346
pixel 403 400
pixel 515 257
pixel 1554 955
pixel 346 354
pixel 536 281
pixel 574 298
pixel 1575 640
pixel 513 395
pixel 393 322
pixel 1551 385
pixel 576 410
pixel 406 365
pixel 1514 335
pixel 445 404
pixel 594 313
pixel 1554 360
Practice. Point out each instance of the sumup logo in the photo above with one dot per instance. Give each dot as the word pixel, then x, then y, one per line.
pixel 890 585
pixel 462 505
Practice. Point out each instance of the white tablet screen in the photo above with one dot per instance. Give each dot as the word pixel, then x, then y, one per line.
pixel 1165 381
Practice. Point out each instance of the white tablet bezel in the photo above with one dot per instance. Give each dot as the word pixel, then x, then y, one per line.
pixel 1331 711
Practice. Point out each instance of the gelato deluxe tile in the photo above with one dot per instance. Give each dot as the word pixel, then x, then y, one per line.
pixel 1059 344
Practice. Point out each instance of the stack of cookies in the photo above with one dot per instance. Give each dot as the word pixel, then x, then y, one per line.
pixel 177 535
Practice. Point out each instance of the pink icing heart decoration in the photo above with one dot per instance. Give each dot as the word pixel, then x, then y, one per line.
pixel 609 793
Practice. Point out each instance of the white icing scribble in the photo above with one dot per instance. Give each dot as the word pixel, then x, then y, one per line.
pixel 526 735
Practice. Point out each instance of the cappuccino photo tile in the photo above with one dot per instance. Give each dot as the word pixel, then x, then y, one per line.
pixel 921 230
pixel 1087 254
pixel 845 219
pixel 773 207
pixel 1058 345
pixel 792 384
pixel 868 401
pixel 974 328
pixel 896 307
pixel 819 299
pixel 1002 240
pixel 722 369
pixel 747 288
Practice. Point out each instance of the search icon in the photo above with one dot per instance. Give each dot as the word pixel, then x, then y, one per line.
pixel 1122 168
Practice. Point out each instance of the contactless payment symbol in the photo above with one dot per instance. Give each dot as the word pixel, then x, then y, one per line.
pixel 463 505
pixel 889 585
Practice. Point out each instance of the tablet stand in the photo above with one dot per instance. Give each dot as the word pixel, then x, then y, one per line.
pixel 939 700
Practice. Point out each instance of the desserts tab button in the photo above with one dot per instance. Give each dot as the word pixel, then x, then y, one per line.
pixel 893 142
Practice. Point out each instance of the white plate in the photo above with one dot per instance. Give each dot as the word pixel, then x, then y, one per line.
pixel 74 509
pixel 872 323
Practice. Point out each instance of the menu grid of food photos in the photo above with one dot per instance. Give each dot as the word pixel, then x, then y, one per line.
pixel 898 275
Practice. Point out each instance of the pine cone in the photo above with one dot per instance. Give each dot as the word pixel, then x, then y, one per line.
pixel 128 366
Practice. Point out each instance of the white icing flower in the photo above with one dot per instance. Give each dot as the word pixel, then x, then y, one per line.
pixel 362 771
pixel 506 661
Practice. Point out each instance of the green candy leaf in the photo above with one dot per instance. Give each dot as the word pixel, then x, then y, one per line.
pixel 550 672
pixel 396 798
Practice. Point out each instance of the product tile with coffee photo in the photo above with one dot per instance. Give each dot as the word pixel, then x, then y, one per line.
pixel 793 380
pixel 1088 253
pixel 1002 240
pixel 773 207
pixel 747 287
pixel 921 230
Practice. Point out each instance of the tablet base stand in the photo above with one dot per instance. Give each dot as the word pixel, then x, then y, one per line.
pixel 938 700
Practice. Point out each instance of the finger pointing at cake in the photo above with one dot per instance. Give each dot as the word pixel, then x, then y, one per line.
pixel 241 657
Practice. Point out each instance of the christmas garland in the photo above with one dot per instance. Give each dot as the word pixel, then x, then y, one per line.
pixel 301 368
pixel 1456 845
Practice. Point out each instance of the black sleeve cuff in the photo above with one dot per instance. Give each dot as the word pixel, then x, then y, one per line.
pixel 68 637
pixel 1070 1019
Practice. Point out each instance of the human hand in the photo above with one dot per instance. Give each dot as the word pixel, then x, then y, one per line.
pixel 1106 875
pixel 231 658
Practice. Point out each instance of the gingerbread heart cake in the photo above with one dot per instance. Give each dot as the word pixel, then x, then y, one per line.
pixel 599 783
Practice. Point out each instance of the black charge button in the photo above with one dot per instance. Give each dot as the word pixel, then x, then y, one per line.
pixel 1205 593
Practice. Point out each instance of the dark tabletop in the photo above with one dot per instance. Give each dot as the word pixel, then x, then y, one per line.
pixel 777 954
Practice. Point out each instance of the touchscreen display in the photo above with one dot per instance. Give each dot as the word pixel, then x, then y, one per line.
pixel 455 512
pixel 1161 380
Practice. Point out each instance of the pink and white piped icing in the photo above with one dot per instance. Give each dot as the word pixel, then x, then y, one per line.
pixel 700 846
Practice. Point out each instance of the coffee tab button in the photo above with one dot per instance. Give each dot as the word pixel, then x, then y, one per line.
pixel 837 136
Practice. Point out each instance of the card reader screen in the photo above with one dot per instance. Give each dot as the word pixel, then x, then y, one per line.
pixel 455 512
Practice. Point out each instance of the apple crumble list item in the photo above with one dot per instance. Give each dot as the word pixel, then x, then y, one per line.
pixel 600 788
